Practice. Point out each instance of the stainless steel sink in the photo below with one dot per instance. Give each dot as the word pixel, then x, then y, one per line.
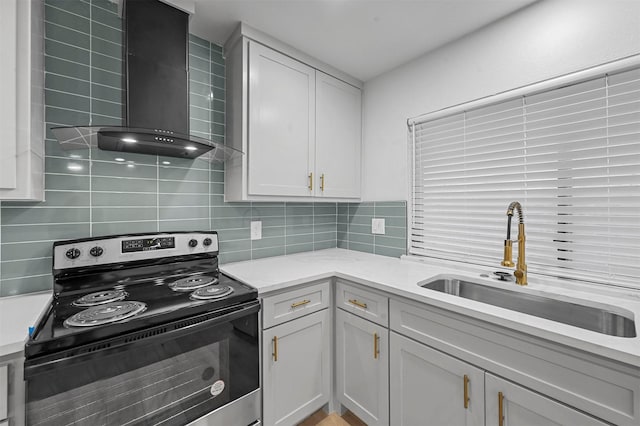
pixel 587 317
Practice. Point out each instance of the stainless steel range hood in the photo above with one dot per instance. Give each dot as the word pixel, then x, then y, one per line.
pixel 156 101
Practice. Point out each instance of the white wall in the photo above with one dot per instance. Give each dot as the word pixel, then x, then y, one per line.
pixel 545 40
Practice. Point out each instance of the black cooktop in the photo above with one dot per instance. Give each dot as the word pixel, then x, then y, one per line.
pixel 150 285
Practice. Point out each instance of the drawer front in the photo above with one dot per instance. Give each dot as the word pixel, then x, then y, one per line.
pixel 362 302
pixel 294 304
pixel 605 389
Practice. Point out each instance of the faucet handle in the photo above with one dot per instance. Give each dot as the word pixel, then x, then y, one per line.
pixel 508 256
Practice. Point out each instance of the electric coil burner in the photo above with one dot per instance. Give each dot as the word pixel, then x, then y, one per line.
pixel 100 298
pixel 211 292
pixel 104 314
pixel 192 283
pixel 144 329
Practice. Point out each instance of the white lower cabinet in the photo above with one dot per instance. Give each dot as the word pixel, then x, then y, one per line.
pixel 510 405
pixel 12 390
pixel 296 368
pixel 362 368
pixel 431 388
pixel 406 363
pixel 4 392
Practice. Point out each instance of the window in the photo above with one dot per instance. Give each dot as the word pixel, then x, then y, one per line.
pixel 569 153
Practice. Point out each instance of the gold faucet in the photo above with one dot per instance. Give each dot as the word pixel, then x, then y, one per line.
pixel 521 268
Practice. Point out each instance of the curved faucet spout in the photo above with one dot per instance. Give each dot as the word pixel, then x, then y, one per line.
pixel 521 267
pixel 516 206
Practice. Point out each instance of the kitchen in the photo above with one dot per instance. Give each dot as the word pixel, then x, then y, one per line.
pixel 90 193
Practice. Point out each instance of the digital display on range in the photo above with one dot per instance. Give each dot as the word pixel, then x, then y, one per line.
pixel 145 244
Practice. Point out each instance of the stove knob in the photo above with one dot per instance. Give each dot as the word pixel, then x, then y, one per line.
pixel 193 243
pixel 73 253
pixel 207 242
pixel 96 251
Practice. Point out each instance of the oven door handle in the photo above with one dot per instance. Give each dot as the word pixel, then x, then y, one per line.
pixel 130 340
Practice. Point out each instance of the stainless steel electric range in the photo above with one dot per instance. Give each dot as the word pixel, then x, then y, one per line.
pixel 144 329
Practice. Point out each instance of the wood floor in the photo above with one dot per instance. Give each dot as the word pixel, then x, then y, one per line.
pixel 320 418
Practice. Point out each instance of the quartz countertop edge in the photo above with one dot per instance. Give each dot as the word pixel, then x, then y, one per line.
pixel 400 277
pixel 17 314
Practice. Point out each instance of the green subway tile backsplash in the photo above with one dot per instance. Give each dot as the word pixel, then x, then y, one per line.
pixel 354 227
pixel 93 193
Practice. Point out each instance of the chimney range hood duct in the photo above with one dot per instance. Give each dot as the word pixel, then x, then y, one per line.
pixel 156 100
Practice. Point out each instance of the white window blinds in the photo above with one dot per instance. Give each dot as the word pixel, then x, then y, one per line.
pixel 570 155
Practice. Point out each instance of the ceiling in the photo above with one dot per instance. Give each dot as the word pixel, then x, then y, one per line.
pixel 363 38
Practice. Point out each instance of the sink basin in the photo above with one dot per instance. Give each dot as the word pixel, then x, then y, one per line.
pixel 586 317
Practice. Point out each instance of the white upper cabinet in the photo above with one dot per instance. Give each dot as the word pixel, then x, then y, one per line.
pixel 338 136
pixel 281 124
pixel 299 127
pixel 22 100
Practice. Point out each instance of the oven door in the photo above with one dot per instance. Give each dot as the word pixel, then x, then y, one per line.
pixel 171 374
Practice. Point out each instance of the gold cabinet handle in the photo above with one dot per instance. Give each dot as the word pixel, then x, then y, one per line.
pixel 310 181
pixel 466 391
pixel 322 182
pixel 500 409
pixel 275 348
pixel 359 304
pixel 301 303
pixel 376 349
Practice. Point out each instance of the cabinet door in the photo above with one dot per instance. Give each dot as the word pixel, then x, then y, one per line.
pixel 362 368
pixel 521 406
pixel 295 362
pixel 428 387
pixel 22 100
pixel 281 124
pixel 338 137
pixel 8 49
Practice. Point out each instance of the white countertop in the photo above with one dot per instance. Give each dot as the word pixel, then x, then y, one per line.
pixel 397 277
pixel 17 314
pixel 401 277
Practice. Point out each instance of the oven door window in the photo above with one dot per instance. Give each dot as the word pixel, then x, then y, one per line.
pixel 171 380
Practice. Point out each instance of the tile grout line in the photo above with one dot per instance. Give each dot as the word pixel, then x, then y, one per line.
pixel 210 130
pixel 374 236
pixel 90 122
pixel 337 215
pixel 348 226
pixel 313 226
pixel 250 239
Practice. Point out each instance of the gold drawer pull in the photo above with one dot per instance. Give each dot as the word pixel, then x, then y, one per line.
pixel 359 304
pixel 322 182
pixel 500 409
pixel 376 349
pixel 275 348
pixel 310 181
pixel 466 391
pixel 302 303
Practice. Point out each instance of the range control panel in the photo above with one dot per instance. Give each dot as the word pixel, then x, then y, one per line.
pixel 144 244
pixel 99 251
